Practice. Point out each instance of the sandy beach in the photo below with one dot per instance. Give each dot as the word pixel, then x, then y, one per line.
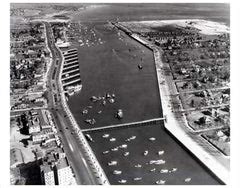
pixel 204 26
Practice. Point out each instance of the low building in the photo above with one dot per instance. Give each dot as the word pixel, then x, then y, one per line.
pixel 204 120
pixel 60 153
pixel 34 126
pixel 38 137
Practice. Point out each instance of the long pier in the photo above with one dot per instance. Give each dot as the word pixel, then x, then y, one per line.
pixel 67 64
pixel 137 123
pixel 68 72
pixel 71 82
pixel 70 67
pixel 70 77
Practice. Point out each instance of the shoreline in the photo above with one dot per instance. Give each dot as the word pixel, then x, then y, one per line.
pixel 180 130
pixel 91 156
pixel 206 27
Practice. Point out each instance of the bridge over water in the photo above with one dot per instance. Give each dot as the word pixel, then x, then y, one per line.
pixel 137 123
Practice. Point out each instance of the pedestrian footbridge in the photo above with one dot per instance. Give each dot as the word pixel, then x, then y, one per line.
pixel 132 124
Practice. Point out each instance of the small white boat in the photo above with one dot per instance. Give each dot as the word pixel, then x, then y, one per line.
pixel 112 139
pixel 152 139
pixel 157 162
pixel 85 111
pixel 122 181
pixel 174 169
pixel 137 178
pixel 164 171
pixel 112 163
pixel 104 102
pixel 117 172
pixel 88 137
pixel 111 100
pixel 145 153
pixel 123 146
pixel 153 170
pixel 138 166
pixel 132 137
pixel 105 152
pixel 160 152
pixel 114 149
pixel 126 154
pixel 105 136
pixel 160 182
pixel 188 179
pixel 119 114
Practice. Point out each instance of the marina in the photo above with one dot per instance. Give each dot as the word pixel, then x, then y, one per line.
pixel 124 68
pixel 174 166
pixel 134 94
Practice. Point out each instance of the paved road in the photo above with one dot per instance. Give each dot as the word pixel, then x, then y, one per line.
pixel 72 146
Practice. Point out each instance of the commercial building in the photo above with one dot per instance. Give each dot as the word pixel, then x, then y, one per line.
pixel 47 175
pixel 64 173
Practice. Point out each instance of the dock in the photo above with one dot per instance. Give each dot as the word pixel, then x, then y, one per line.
pixel 71 71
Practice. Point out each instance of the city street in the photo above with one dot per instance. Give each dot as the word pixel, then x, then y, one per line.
pixel 82 170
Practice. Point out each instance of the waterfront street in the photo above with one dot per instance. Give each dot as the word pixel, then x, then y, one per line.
pixel 82 170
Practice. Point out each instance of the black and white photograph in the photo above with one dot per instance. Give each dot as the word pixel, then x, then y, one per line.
pixel 119 93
